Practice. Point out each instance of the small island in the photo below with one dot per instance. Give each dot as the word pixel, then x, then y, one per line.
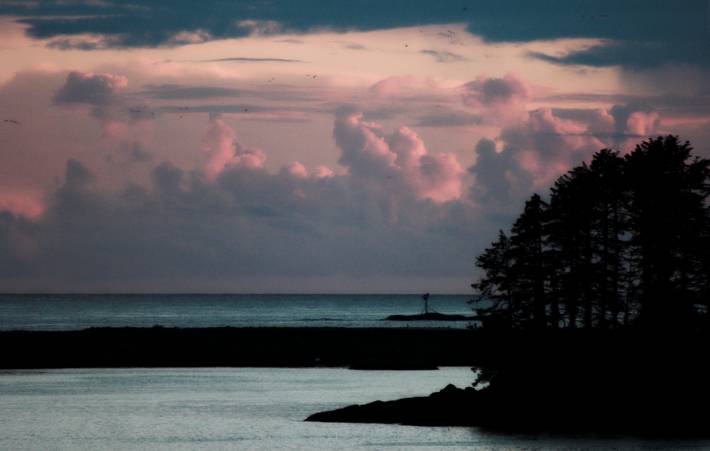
pixel 430 316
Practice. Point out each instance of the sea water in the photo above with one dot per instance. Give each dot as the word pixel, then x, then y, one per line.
pixel 238 408
pixel 70 312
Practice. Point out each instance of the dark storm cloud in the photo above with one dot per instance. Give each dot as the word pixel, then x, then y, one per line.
pixel 635 54
pixel 641 33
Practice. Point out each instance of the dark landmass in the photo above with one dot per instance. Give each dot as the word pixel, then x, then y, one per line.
pixel 568 380
pixel 507 409
pixel 432 316
pixel 366 348
pixel 613 382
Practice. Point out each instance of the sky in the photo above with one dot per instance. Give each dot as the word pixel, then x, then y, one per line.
pixel 275 146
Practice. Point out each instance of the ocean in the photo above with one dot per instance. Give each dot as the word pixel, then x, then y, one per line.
pixel 79 311
pixel 239 408
pixel 233 408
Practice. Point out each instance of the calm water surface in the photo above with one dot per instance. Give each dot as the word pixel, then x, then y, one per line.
pixel 66 312
pixel 244 408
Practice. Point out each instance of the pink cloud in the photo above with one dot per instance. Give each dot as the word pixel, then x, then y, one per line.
pixel 296 170
pixel 496 91
pixel 548 145
pixel 601 122
pixel 503 99
pixel 322 172
pixel 19 204
pixel 221 150
pixel 398 159
pixel 642 123
pixel 404 86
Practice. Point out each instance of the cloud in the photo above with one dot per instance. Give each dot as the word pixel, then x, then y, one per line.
pixel 399 160
pixel 634 120
pixel 500 101
pixel 496 176
pixel 449 119
pixel 181 92
pixel 495 91
pixel 443 56
pixel 139 154
pixel 352 45
pixel 97 89
pixel 639 54
pixel 20 204
pixel 216 217
pixel 245 225
pixel 123 120
pixel 528 155
pixel 222 150
pixel 295 169
pixel 636 33
pixel 244 59
pixel 322 172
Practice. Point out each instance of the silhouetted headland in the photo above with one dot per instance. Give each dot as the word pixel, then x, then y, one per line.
pixel 595 305
pixel 567 382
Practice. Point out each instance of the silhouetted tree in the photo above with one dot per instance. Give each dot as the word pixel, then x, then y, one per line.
pixel 495 285
pixel 528 279
pixel 569 237
pixel 623 240
pixel 667 220
pixel 609 199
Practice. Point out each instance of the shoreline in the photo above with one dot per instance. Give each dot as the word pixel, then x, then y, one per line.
pixel 378 347
pixel 157 347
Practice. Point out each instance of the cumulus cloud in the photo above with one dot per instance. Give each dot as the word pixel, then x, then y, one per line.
pixel 234 222
pixel 104 94
pixel 496 175
pixel 221 149
pixel 503 100
pixel 21 204
pixel 400 158
pixel 243 228
pixel 394 208
pixel 634 120
pixel 546 145
pixel 322 172
pixel 295 169
pixel 90 88
pixel 530 154
pixel 495 91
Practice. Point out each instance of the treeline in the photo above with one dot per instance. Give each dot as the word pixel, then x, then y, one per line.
pixel 623 240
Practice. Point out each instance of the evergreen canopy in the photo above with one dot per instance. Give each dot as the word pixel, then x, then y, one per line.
pixel 624 240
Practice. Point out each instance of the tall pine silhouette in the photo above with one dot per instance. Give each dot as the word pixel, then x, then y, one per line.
pixel 623 240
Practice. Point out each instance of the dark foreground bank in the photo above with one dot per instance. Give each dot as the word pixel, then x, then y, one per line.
pixel 640 383
pixel 238 347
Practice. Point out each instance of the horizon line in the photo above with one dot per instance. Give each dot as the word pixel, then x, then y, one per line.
pixel 156 293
